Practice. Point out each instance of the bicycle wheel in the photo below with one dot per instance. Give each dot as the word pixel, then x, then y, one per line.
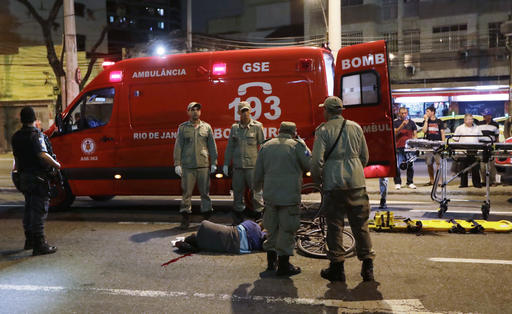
pixel 311 200
pixel 313 243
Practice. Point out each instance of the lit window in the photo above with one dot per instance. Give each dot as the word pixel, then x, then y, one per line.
pixel 360 89
pixel 161 25
pixel 111 19
pixel 160 12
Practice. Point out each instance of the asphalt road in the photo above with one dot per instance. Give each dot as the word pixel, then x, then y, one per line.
pixel 111 254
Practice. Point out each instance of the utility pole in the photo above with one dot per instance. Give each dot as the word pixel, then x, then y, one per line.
pixel 400 39
pixel 189 25
pixel 334 32
pixel 506 30
pixel 71 89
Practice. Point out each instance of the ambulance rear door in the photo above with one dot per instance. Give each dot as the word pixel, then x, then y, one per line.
pixel 362 81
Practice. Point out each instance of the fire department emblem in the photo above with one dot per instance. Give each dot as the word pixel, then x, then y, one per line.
pixel 88 146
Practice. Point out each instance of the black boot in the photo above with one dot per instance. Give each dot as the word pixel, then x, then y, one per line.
pixel 41 247
pixel 29 241
pixel 271 260
pixel 284 268
pixel 383 204
pixel 367 270
pixel 237 217
pixel 185 221
pixel 335 272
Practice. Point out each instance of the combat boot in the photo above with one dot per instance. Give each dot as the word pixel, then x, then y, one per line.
pixel 237 217
pixel 271 260
pixel 29 241
pixel 41 247
pixel 284 268
pixel 367 270
pixel 185 221
pixel 383 204
pixel 335 272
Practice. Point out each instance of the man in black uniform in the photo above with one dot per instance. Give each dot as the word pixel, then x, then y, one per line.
pixel 33 164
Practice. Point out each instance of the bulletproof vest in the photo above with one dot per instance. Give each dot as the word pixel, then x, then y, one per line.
pixel 27 158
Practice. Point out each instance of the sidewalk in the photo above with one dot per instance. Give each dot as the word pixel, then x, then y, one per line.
pixel 372 185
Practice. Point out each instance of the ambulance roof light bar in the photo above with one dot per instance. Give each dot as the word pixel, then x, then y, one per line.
pixel 105 64
pixel 116 76
pixel 219 68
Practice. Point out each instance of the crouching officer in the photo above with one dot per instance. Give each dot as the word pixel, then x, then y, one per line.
pixel 279 168
pixel 194 152
pixel 339 155
pixel 244 140
pixel 33 163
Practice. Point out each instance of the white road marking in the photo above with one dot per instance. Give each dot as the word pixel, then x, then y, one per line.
pixel 381 306
pixel 470 260
pixel 462 212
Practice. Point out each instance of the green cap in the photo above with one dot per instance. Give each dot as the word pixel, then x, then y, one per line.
pixel 244 105
pixel 288 127
pixel 193 105
pixel 332 103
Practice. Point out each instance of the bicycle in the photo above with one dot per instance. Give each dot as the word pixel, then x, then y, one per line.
pixel 312 234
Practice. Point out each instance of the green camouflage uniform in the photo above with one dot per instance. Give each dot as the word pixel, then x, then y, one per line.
pixel 195 151
pixel 343 183
pixel 279 169
pixel 242 150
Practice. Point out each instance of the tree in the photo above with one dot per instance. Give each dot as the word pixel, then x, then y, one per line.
pixel 54 61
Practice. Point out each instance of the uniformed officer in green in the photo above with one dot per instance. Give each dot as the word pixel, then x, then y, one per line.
pixel 242 150
pixel 279 168
pixel 194 152
pixel 341 176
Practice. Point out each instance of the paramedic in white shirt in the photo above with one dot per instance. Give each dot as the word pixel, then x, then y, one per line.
pixel 468 128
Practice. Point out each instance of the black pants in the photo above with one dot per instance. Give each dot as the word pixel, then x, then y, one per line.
pixel 402 156
pixel 475 172
pixel 36 211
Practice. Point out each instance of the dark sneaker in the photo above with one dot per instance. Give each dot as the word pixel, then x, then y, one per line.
pixel 185 247
pixel 335 272
pixel 367 270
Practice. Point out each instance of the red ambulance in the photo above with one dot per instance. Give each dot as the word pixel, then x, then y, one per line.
pixel 118 135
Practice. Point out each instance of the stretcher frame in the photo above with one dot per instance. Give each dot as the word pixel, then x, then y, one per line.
pixel 482 152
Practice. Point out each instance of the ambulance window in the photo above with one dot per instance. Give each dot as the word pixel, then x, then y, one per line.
pixel 360 89
pixel 95 108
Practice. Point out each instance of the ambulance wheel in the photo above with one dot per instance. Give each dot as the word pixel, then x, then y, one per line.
pixel 311 200
pixel 485 211
pixel 102 198
pixel 63 198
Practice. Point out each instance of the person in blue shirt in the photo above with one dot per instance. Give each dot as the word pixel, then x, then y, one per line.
pixel 244 238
